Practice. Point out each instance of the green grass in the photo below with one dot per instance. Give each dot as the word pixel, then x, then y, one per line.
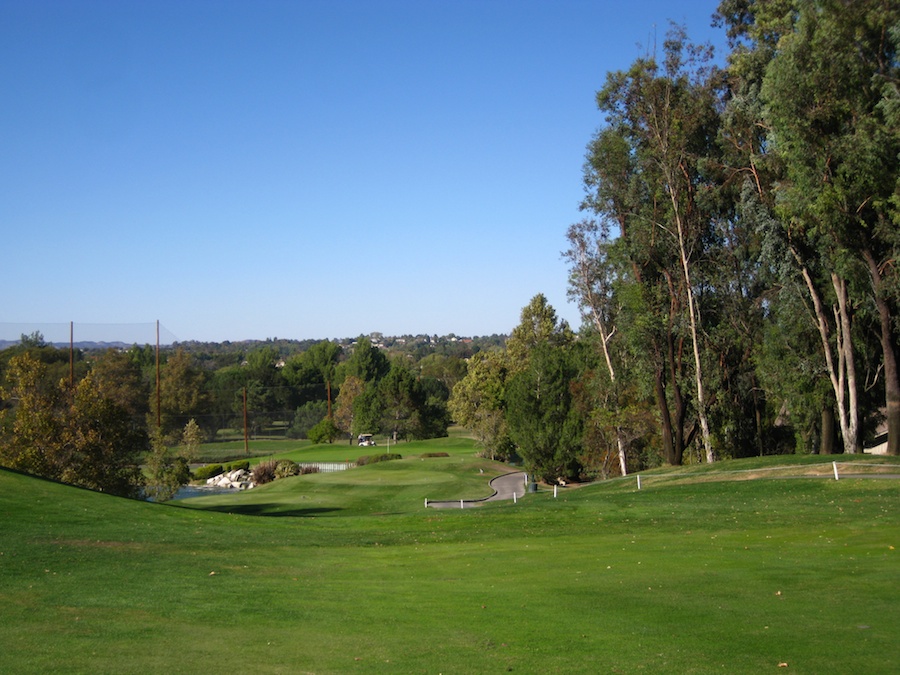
pixel 457 442
pixel 356 576
pixel 395 487
pixel 226 451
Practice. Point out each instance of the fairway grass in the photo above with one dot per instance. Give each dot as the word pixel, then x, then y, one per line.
pixel 355 575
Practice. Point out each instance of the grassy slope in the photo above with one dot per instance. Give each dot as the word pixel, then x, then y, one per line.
pixel 704 577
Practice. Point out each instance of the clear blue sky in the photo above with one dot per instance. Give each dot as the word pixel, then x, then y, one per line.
pixel 305 169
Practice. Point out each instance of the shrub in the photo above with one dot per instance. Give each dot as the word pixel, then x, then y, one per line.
pixel 285 468
pixel 308 469
pixel 434 454
pixel 324 432
pixel 238 466
pixel 264 472
pixel 374 459
pixel 208 471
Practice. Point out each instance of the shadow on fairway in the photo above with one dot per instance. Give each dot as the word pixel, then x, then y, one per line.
pixel 274 510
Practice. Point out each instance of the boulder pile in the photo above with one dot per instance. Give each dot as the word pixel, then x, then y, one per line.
pixel 239 479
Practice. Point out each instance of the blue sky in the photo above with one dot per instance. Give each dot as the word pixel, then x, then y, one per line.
pixel 307 169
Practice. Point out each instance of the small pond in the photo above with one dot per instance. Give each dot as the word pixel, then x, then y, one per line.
pixel 188 491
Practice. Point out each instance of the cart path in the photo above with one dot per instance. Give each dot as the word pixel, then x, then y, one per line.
pixel 508 486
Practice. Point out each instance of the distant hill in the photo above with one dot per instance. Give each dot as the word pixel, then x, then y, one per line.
pixel 84 345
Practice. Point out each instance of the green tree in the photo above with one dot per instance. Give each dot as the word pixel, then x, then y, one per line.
pixel 34 424
pixel 306 417
pixel 168 471
pixel 343 416
pixel 191 440
pixel 223 389
pixel 57 362
pixel 118 377
pixel 368 411
pixel 182 396
pixel 101 446
pixel 74 435
pixel 543 422
pixel 447 369
pixel 647 175
pixel 324 357
pixel 267 395
pixel 406 411
pixel 670 113
pixel 478 403
pixel 538 324
pixel 826 93
pixel 814 117
pixel 367 362
pixel 592 277
pixel 324 431
pixel 401 402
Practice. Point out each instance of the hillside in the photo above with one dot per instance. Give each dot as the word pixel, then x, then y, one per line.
pixel 723 576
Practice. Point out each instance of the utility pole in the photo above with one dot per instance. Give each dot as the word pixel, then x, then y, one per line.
pixel 246 434
pixel 158 396
pixel 72 354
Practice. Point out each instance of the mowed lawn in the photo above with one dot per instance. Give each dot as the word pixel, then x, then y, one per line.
pixel 344 573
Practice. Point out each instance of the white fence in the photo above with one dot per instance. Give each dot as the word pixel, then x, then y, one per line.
pixel 327 467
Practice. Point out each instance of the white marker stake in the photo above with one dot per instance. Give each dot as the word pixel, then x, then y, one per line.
pixel 554 491
pixel 460 503
pixel 426 502
pixel 639 482
pixel 834 465
pixel 515 498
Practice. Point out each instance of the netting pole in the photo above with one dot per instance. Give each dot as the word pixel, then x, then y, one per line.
pixel 72 354
pixel 328 386
pixel 246 436
pixel 158 396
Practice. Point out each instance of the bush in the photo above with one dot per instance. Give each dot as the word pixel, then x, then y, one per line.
pixel 264 472
pixel 208 471
pixel 324 432
pixel 434 454
pixel 308 469
pixel 285 468
pixel 374 459
pixel 238 466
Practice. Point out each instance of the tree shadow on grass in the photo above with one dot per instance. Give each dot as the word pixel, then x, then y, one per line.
pixel 270 510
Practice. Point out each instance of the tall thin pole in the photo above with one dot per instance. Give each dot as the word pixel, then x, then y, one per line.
pixel 71 353
pixel 246 434
pixel 158 396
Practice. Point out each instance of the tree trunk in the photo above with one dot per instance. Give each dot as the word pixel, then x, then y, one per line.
pixel 665 420
pixel 826 441
pixel 620 443
pixel 891 376
pixel 695 342
pixel 593 303
pixel 847 367
pixel 842 381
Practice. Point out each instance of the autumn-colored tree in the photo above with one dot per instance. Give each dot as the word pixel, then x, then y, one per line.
pixel 74 435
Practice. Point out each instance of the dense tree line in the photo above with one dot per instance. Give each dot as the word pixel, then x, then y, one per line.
pixel 736 268
pixel 737 265
pixel 63 415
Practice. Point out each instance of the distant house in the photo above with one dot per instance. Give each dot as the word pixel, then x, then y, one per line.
pixel 879 443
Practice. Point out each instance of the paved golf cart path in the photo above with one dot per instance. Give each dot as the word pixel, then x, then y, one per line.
pixel 507 486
